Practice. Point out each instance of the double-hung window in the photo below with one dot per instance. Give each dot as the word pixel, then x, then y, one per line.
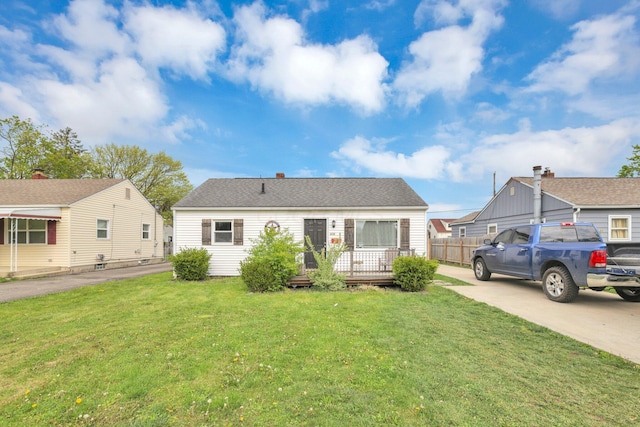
pixel 619 227
pixel 102 229
pixel 223 232
pixel 376 234
pixel 31 232
pixel 146 231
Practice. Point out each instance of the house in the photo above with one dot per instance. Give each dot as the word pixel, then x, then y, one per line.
pixel 612 204
pixel 438 228
pixel 74 225
pixel 370 215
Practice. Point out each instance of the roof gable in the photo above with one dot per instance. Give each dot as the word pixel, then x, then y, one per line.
pixel 58 192
pixel 302 193
pixel 590 191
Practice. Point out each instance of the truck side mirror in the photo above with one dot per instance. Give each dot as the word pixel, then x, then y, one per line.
pixel 488 242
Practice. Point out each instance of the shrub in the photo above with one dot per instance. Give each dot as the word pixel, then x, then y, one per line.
pixel 258 275
pixel 325 277
pixel 413 273
pixel 191 263
pixel 272 261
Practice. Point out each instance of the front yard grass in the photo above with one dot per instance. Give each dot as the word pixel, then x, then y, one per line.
pixel 153 351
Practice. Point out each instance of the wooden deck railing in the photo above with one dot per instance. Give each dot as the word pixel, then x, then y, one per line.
pixel 369 262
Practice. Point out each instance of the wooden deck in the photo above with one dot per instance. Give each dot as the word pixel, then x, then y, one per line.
pixel 356 280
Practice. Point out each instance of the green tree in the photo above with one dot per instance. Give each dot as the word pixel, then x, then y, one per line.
pixel 68 158
pixel 25 148
pixel 632 169
pixel 159 177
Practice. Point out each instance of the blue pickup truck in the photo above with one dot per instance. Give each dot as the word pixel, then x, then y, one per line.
pixel 564 256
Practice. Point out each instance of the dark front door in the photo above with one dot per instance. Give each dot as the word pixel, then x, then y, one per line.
pixel 316 229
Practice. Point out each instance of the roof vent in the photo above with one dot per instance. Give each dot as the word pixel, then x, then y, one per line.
pixel 262 192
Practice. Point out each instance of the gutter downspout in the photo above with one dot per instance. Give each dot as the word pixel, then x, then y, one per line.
pixel 576 215
pixel 537 194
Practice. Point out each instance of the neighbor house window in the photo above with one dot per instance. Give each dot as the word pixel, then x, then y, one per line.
pixel 620 227
pixel 462 232
pixel 102 229
pixel 376 234
pixel 31 232
pixel 492 229
pixel 223 232
pixel 146 231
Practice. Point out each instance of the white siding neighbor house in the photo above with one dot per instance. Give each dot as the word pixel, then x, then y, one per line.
pixel 370 215
pixel 75 225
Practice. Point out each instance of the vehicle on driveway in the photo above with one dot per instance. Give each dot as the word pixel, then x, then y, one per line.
pixel 563 256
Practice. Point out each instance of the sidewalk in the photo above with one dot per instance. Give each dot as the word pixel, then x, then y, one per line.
pixel 18 289
pixel 600 319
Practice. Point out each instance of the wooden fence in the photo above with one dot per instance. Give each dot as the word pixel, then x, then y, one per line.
pixel 454 250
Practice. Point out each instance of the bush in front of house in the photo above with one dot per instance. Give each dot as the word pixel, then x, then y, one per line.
pixel 191 263
pixel 413 273
pixel 325 277
pixel 272 261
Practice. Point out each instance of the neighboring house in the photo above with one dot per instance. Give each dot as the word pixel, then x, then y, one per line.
pixel 75 225
pixel 612 204
pixel 368 214
pixel 438 228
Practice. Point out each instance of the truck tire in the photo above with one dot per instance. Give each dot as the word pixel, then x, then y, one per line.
pixel 558 285
pixel 629 294
pixel 480 270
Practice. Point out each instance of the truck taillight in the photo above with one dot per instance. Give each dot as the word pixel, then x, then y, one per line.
pixel 598 259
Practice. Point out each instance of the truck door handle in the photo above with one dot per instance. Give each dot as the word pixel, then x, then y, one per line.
pixel 523 250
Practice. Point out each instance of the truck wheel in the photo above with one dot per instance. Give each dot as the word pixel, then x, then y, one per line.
pixel 629 294
pixel 480 270
pixel 558 285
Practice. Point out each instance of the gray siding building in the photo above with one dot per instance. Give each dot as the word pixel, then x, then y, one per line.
pixel 612 204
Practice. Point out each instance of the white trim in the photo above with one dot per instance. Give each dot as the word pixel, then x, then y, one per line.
pixel 628 228
pixel 108 229
pixel 462 232
pixel 495 225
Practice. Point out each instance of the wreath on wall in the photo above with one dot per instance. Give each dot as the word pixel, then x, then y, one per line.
pixel 272 225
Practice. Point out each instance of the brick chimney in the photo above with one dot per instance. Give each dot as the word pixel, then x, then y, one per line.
pixel 38 174
pixel 548 174
pixel 279 174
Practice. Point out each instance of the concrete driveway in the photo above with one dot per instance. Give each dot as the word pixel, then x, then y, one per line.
pixel 600 319
pixel 18 289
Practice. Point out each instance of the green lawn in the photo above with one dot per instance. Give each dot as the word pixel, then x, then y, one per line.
pixel 154 352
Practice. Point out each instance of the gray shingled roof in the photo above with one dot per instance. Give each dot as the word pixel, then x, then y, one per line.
pixel 58 192
pixel 302 193
pixel 591 191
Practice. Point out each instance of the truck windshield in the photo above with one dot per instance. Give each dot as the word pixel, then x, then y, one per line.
pixel 574 233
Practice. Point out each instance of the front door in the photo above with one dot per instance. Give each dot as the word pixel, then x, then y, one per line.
pixel 316 229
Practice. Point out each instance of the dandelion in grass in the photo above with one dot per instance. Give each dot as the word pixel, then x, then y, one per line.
pixel 78 400
pixel 26 393
pixel 34 405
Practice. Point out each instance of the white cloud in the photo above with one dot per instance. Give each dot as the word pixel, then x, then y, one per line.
pixel 123 101
pixel 90 25
pixel 444 60
pixel 101 76
pixel 12 102
pixel 559 9
pixel 427 163
pixel 603 48
pixel 274 57
pixel 177 39
pixel 585 151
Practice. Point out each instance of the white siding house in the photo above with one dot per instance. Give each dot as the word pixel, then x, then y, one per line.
pixel 75 225
pixel 369 215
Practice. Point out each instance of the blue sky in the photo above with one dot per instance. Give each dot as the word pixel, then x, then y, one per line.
pixel 443 93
